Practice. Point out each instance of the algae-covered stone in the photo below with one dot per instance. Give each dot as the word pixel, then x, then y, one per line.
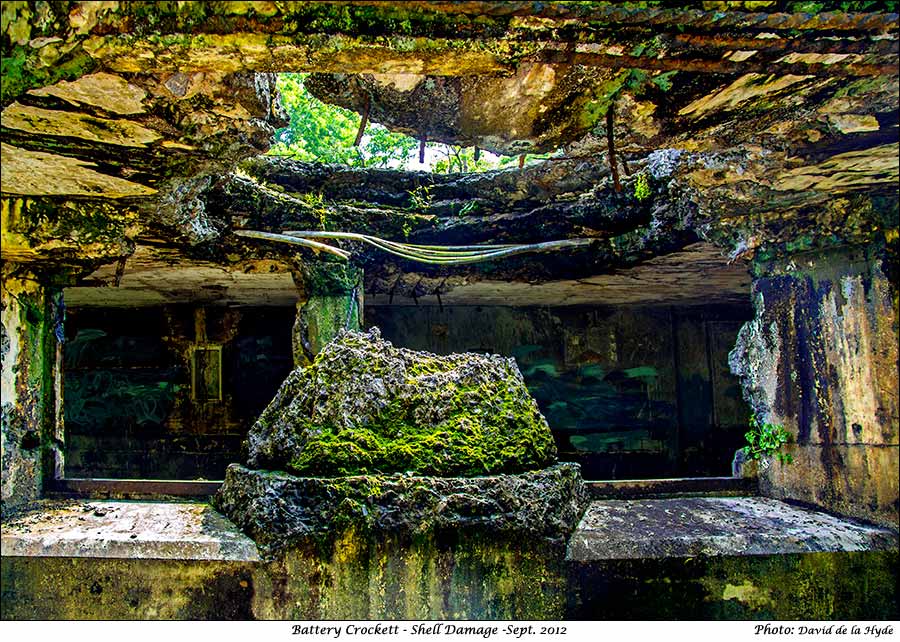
pixel 280 511
pixel 364 406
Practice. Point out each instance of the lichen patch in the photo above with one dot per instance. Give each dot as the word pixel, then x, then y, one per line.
pixel 41 173
pixel 49 122
pixel 741 90
pixel 107 91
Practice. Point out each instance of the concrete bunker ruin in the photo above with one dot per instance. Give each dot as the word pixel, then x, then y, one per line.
pixel 723 181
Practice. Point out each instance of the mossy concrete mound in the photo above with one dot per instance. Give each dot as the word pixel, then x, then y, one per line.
pixel 364 406
pixel 281 511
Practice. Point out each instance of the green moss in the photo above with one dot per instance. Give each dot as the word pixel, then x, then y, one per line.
pixel 463 444
pixel 365 407
pixel 641 187
pixel 22 71
pixel 329 278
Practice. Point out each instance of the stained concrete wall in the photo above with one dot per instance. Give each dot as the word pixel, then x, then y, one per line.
pixel 28 346
pixel 628 391
pixel 130 409
pixel 820 357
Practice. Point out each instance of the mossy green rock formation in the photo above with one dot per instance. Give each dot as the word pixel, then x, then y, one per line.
pixel 364 406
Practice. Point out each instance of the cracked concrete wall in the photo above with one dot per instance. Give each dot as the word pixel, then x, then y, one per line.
pixel 30 384
pixel 820 357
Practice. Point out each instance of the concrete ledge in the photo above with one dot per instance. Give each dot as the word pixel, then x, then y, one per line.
pixel 125 530
pixel 679 487
pixel 715 526
pixel 135 489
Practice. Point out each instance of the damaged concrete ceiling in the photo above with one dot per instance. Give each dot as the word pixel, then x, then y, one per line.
pixel 755 130
pixel 697 275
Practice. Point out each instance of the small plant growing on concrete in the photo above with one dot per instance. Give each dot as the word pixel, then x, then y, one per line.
pixel 765 440
pixel 642 187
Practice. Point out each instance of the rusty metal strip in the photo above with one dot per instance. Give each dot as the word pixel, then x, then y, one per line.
pixel 824 45
pixel 654 488
pixel 559 56
pixel 134 487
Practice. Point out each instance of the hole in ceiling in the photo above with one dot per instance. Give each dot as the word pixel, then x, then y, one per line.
pixel 325 133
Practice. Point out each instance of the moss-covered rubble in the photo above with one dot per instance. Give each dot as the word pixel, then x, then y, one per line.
pixel 364 406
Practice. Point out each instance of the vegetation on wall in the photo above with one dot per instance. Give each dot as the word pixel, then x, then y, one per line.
pixel 765 440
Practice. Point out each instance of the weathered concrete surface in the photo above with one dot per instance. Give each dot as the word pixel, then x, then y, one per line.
pixel 700 274
pixel 30 436
pixel 364 406
pixel 330 302
pixel 715 526
pixel 821 358
pixel 433 575
pixel 404 546
pixel 80 560
pixel 127 530
pixel 449 574
pixel 807 586
pixel 150 104
pixel 91 588
pixel 279 510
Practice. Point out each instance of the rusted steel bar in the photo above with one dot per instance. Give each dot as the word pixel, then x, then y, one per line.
pixel 645 488
pixel 558 56
pixel 618 14
pixel 363 122
pixel 821 45
pixel 135 487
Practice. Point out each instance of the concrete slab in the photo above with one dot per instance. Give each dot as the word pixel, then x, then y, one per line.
pixel 122 529
pixel 715 526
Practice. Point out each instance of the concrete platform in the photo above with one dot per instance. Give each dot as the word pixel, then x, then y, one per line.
pixel 715 526
pixel 125 530
pixel 694 558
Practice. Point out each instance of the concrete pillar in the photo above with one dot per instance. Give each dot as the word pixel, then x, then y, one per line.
pixel 30 347
pixel 820 358
pixel 331 300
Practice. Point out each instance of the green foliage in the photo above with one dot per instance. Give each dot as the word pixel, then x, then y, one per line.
pixel 642 187
pixel 765 440
pixel 316 202
pixel 319 132
pixel 325 133
pixel 420 198
pixel 664 80
pixel 453 158
pixel 468 208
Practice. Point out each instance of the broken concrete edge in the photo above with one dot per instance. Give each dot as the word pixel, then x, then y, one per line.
pixel 281 511
pixel 124 530
pixel 716 527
